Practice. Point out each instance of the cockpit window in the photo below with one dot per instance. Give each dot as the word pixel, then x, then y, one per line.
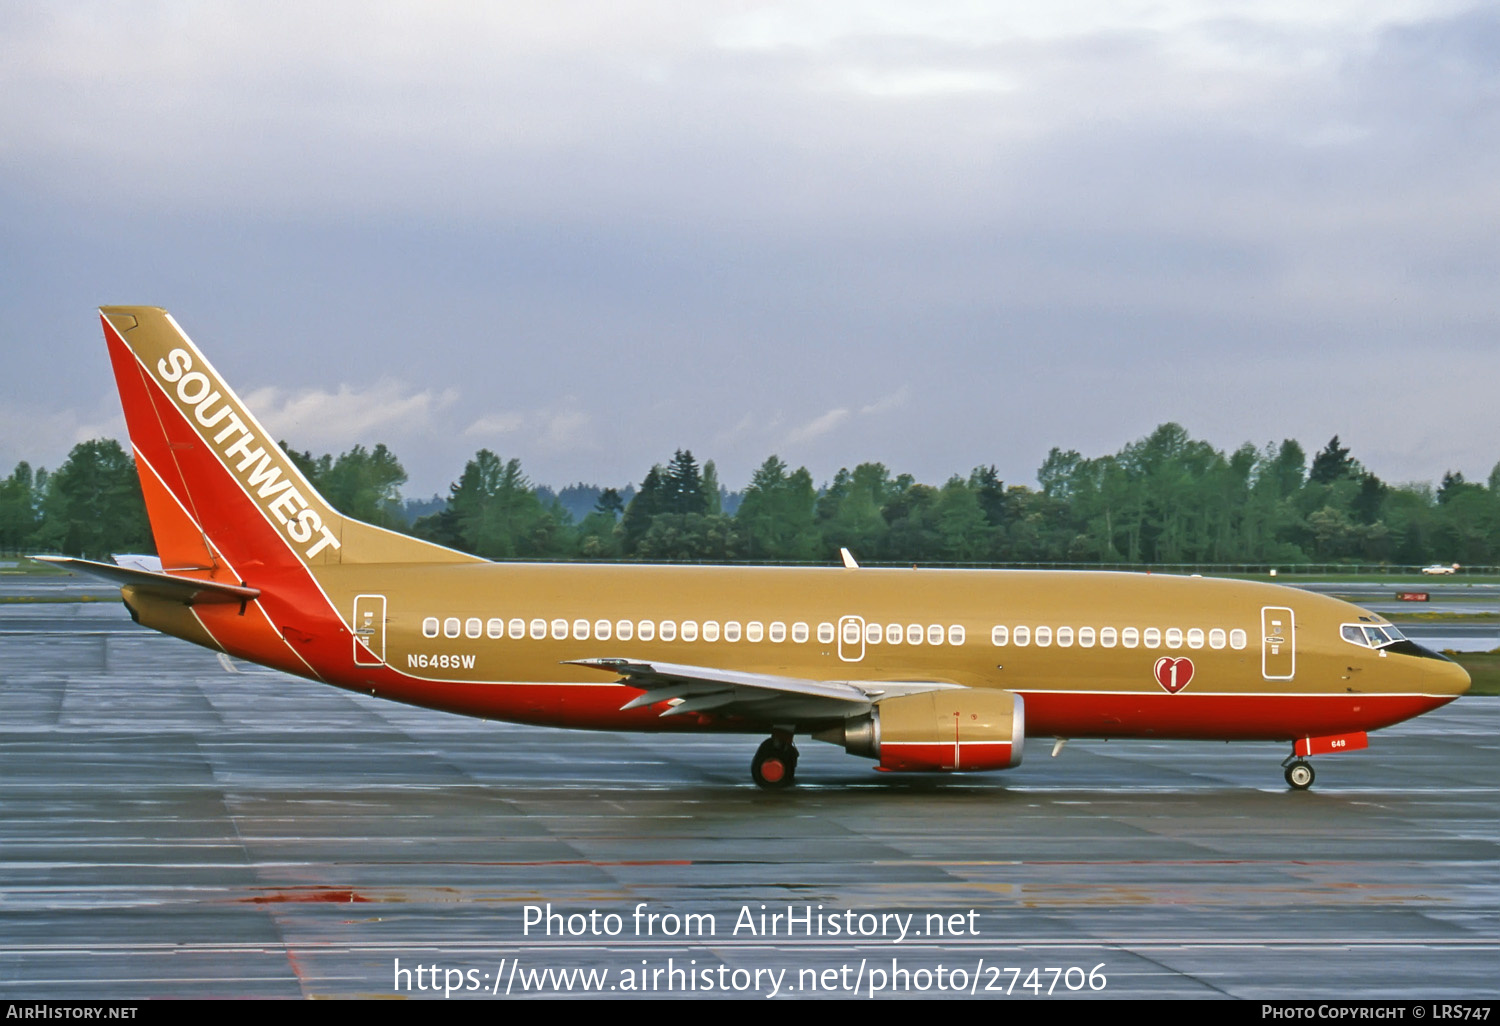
pixel 1368 635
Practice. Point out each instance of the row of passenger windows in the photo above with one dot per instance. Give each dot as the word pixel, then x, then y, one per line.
pixel 690 630
pixel 1125 637
pixel 854 632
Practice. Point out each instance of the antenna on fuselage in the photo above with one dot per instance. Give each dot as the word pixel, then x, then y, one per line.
pixel 848 558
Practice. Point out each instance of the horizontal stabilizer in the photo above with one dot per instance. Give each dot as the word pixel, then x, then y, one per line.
pixel 186 590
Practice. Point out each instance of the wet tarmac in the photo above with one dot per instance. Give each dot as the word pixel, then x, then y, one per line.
pixel 170 828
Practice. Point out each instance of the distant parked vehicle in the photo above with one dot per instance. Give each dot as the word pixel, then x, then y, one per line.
pixel 1440 568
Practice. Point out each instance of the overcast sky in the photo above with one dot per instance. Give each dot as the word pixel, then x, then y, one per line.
pixel 936 235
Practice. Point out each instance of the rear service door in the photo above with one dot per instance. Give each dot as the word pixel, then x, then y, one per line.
pixel 369 630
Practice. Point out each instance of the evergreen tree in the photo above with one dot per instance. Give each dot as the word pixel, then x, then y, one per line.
pixel 93 505
pixel 1371 496
pixel 1332 464
pixel 314 468
pixel 682 485
pixel 776 518
pixel 365 484
pixel 713 498
pixel 1453 484
pixel 850 510
pixel 20 507
pixel 610 504
pixel 911 534
pixel 963 530
pixel 648 502
pixel 493 512
pixel 990 491
pixel 1289 468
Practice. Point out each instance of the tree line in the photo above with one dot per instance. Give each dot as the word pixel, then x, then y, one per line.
pixel 1164 499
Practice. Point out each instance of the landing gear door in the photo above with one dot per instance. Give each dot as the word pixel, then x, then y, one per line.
pixel 1278 652
pixel 369 630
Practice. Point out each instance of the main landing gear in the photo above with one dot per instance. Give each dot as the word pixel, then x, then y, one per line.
pixel 775 762
pixel 1299 773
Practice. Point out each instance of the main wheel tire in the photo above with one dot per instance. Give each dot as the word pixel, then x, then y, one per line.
pixel 774 766
pixel 1300 775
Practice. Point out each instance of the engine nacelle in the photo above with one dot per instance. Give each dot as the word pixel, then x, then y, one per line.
pixel 952 729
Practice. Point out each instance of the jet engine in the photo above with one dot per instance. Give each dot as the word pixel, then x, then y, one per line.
pixel 950 729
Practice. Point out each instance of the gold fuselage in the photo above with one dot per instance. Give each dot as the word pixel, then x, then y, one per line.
pixel 434 643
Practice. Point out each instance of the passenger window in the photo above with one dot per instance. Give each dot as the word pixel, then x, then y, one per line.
pixel 778 632
pixel 518 628
pixel 624 629
pixel 601 629
pixel 799 632
pixel 1043 636
pixel 473 627
pixel 711 630
pixel 1195 637
pixel 732 631
pixel 1174 637
pixel 914 634
pixel 873 634
pixel 580 630
pixel 430 627
pixel 999 636
pixel 893 634
pixel 645 630
pixel 1108 637
pixel 935 634
pixel 1065 637
pixel 754 631
pixel 956 634
pixel 1085 637
pixel 1152 637
pixel 1023 636
pixel 451 627
pixel 825 634
pixel 1130 637
pixel 1237 639
pixel 1216 638
pixel 690 630
pixel 559 629
pixel 538 629
pixel 495 628
pixel 667 630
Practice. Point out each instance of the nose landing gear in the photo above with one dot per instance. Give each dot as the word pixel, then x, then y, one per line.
pixel 775 763
pixel 1299 773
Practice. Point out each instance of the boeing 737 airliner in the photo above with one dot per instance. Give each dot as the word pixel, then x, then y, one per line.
pixel 920 670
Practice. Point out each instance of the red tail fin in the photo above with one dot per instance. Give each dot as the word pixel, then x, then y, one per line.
pixel 219 490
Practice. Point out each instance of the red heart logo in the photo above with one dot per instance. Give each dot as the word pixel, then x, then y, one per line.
pixel 1173 674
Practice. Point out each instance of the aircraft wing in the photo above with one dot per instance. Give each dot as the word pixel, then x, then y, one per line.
pixel 760 696
pixel 187 590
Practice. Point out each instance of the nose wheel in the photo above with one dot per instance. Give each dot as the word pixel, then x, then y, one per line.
pixel 1299 774
pixel 775 763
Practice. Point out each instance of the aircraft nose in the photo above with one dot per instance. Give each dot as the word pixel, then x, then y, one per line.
pixel 1447 678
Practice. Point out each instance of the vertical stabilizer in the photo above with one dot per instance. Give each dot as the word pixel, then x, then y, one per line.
pixel 219 491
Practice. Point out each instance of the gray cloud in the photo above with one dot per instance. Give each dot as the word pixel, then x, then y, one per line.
pixel 718 226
